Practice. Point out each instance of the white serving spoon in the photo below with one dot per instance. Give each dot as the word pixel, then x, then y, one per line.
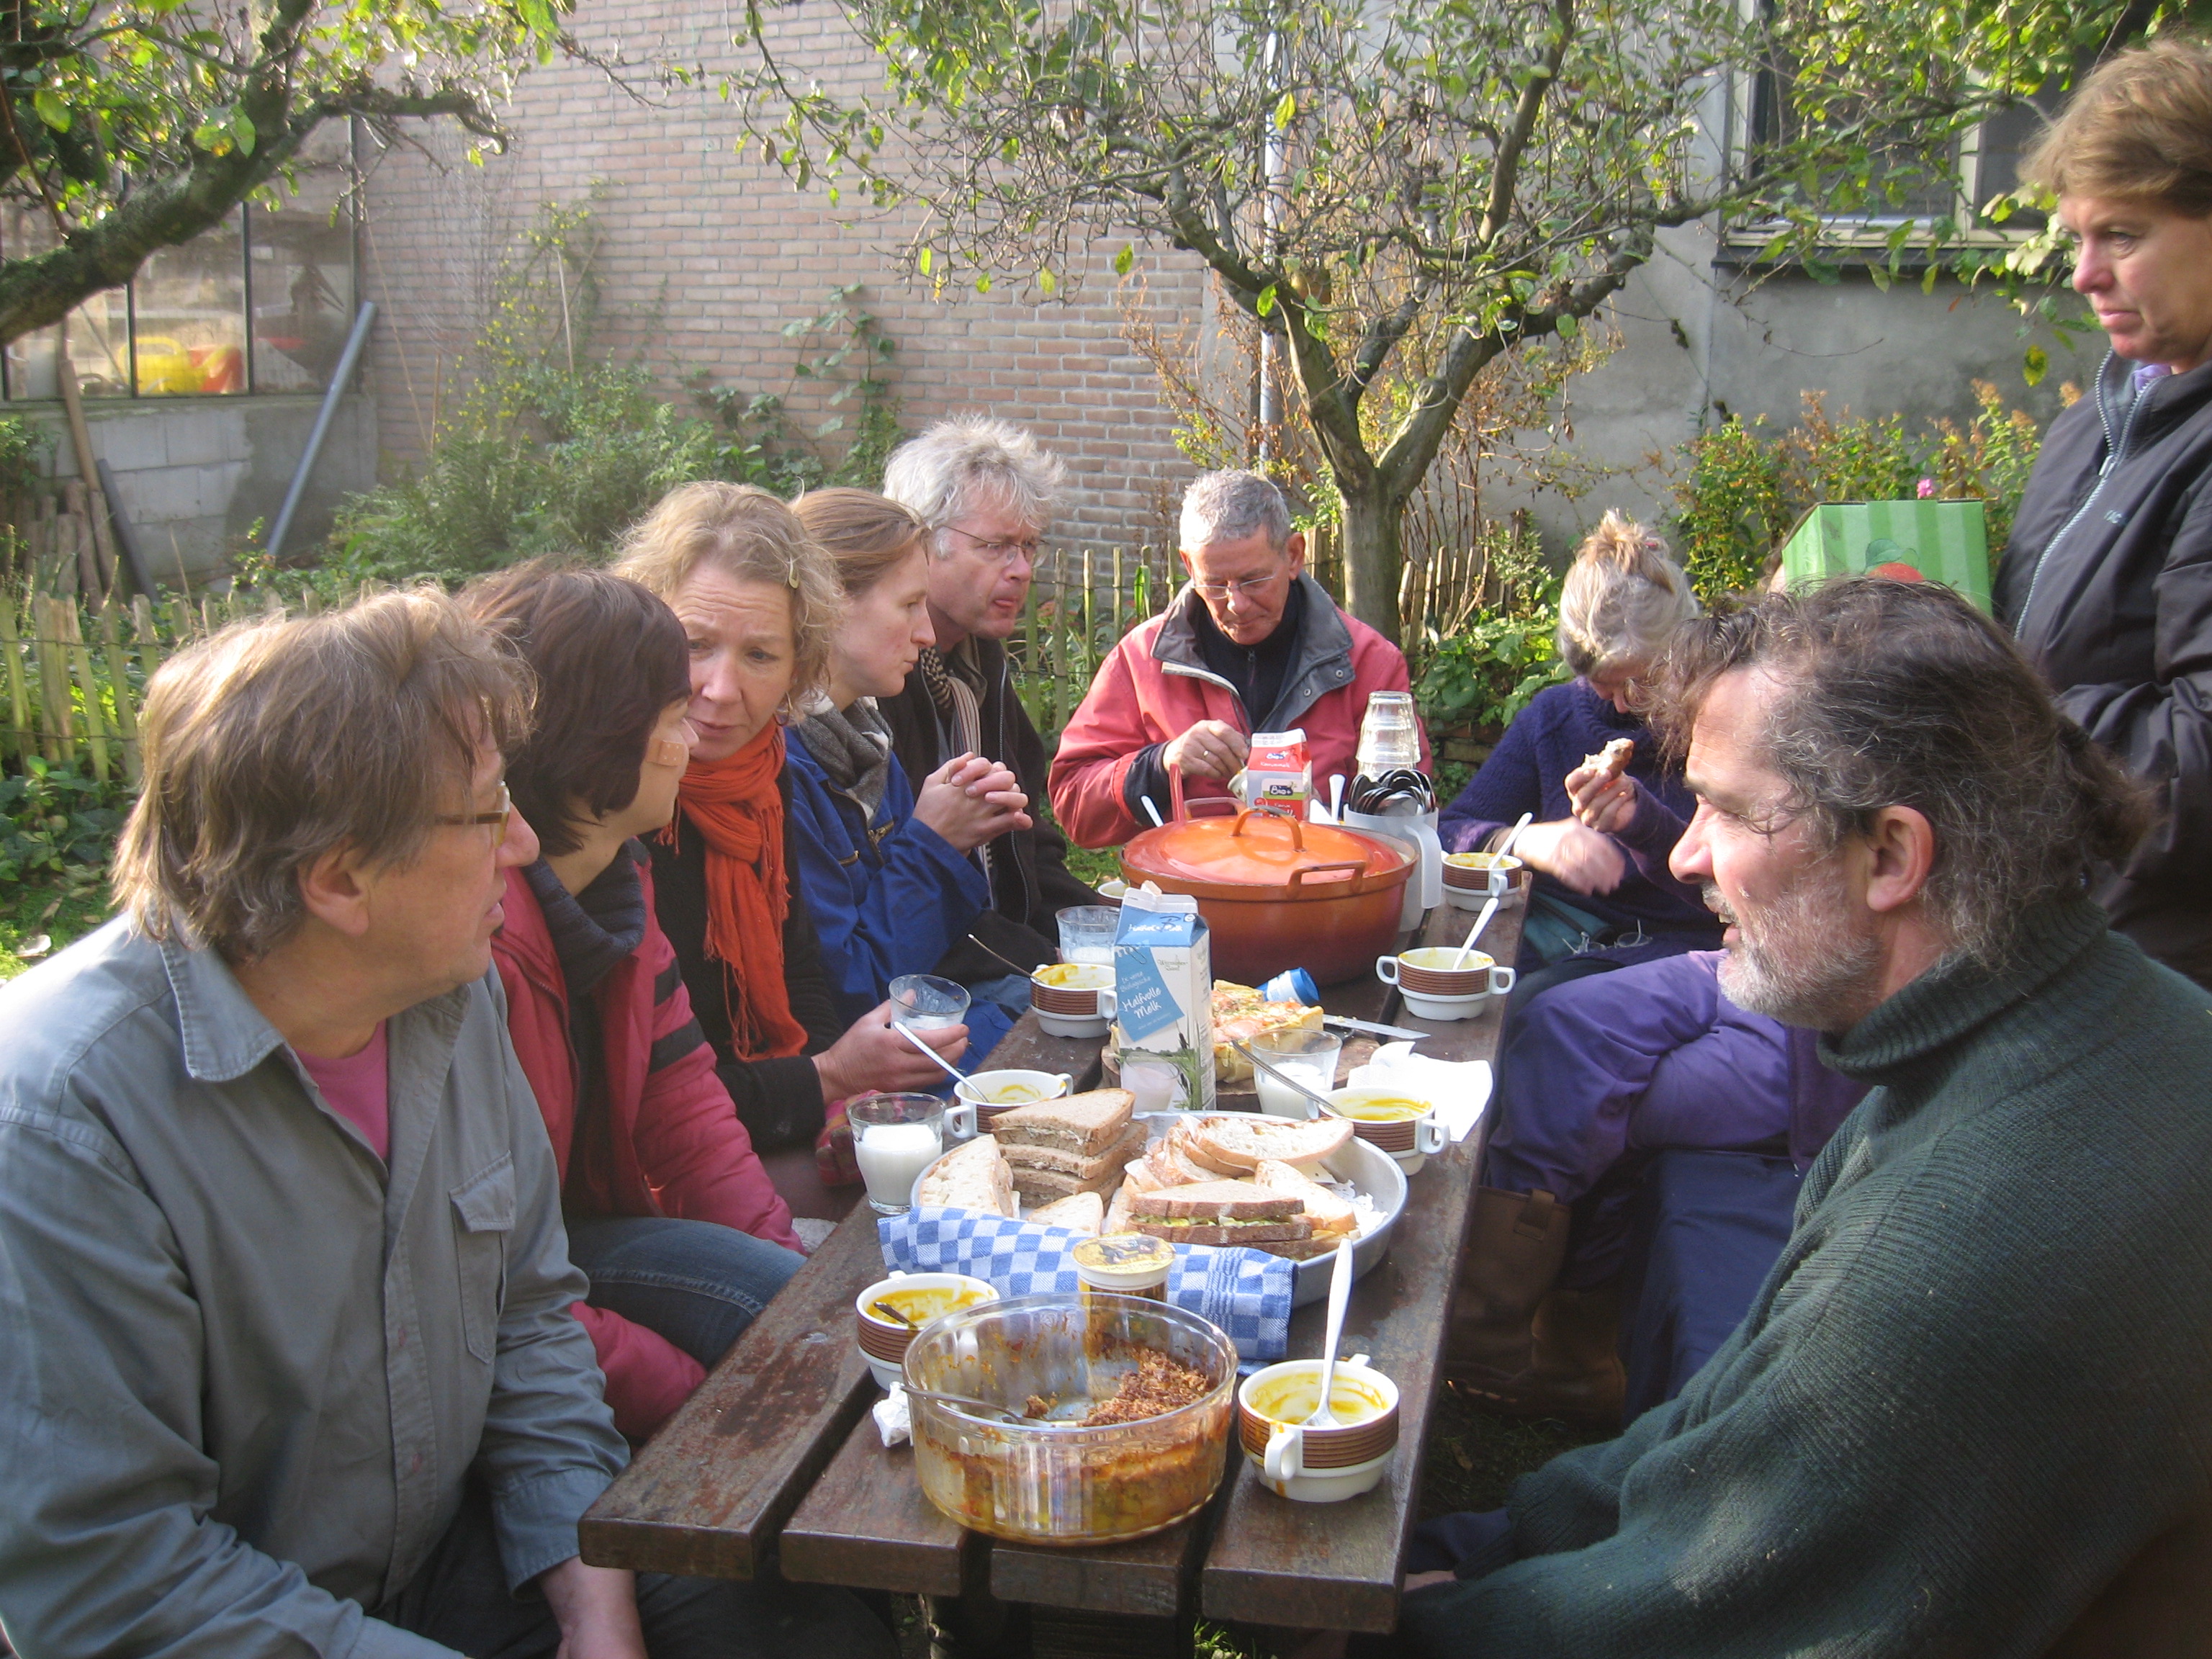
pixel 1481 921
pixel 1336 798
pixel 1507 844
pixel 1339 1294
pixel 907 1031
pixel 1152 812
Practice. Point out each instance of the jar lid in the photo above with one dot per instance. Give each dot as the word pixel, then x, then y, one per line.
pixel 1134 1259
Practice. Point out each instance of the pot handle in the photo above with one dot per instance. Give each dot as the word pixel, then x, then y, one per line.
pixel 1174 795
pixel 1357 867
pixel 1298 831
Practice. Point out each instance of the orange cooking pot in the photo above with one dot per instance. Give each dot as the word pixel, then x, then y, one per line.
pixel 1278 892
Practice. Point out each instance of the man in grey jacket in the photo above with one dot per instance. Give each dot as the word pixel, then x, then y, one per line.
pixel 286 1362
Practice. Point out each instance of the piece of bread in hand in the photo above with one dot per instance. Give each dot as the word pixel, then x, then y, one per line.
pixel 973 1177
pixel 1079 1213
pixel 1610 761
pixel 1331 1216
pixel 1084 1125
pixel 1236 1143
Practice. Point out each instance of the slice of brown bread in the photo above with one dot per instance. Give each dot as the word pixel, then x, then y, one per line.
pixel 1066 1163
pixel 1083 1124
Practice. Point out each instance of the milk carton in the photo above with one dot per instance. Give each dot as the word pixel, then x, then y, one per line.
pixel 1163 1001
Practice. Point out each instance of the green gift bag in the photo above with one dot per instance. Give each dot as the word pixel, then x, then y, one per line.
pixel 1945 541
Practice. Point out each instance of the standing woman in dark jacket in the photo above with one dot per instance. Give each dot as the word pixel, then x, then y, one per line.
pixel 757 601
pixel 2107 581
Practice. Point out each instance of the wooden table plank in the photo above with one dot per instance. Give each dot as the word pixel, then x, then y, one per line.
pixel 1148 1575
pixel 705 1499
pixel 866 1525
pixel 1276 1562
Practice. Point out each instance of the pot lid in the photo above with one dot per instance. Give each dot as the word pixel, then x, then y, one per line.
pixel 1261 849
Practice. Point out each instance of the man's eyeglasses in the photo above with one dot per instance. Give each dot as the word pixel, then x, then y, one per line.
pixel 497 818
pixel 1244 589
pixel 1002 553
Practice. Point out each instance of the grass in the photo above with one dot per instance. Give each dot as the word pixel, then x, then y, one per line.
pixel 64 913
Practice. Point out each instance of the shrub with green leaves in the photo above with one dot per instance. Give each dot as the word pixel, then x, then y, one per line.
pixel 56 824
pixel 1746 490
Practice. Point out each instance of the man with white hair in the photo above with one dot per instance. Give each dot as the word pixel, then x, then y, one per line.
pixel 1251 644
pixel 987 490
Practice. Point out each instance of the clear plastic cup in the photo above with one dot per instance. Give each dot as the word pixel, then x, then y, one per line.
pixel 926 1002
pixel 1086 933
pixel 1389 733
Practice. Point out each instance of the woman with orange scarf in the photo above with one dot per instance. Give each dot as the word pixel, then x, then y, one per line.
pixel 758 601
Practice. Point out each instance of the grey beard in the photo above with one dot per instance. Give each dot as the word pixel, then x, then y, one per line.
pixel 1798 967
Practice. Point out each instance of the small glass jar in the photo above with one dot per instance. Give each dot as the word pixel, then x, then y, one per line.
pixel 1125 1264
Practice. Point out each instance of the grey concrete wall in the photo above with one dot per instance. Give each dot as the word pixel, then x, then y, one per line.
pixel 193 476
pixel 1699 341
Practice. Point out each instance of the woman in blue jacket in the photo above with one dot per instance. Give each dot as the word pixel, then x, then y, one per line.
pixel 890 872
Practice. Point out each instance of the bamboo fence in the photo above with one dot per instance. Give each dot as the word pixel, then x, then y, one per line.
pixel 73 677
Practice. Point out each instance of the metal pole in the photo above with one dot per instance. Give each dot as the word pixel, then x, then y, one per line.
pixel 346 361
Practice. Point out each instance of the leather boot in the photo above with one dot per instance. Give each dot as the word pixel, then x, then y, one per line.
pixel 1515 1242
pixel 1578 1374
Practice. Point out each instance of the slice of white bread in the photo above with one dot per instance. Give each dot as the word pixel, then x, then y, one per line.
pixel 1117 1212
pixel 1176 1168
pixel 1079 1213
pixel 1329 1214
pixel 1112 1158
pixel 971 1177
pixel 1236 1142
pixel 1084 1125
pixel 1185 1139
pixel 1218 1201
pixel 1144 1177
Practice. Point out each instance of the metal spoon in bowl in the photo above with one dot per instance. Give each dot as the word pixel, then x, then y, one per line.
pixel 907 1031
pixel 1339 1293
pixel 973 1408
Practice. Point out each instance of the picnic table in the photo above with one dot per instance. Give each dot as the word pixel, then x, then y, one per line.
pixel 775 1456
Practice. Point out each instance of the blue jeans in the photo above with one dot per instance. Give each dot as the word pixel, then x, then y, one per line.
pixel 697 1283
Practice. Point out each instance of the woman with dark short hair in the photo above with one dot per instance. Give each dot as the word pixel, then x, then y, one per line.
pixel 669 1211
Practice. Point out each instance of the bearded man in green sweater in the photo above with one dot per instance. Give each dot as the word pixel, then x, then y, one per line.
pixel 1977 1385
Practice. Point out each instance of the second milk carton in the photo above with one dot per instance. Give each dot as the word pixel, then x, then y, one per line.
pixel 1163 1001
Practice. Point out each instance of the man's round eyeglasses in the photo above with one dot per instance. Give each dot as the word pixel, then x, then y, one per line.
pixel 1002 553
pixel 497 817
pixel 1244 589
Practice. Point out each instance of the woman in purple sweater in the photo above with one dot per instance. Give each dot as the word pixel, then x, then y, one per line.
pixel 1599 900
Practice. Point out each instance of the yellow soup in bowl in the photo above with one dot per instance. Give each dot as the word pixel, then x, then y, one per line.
pixel 1292 1399
pixel 924 1305
pixel 1381 1109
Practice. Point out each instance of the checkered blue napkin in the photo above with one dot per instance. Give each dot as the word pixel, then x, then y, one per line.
pixel 1246 1292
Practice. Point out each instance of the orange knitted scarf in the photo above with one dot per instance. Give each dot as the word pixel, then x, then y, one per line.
pixel 734 805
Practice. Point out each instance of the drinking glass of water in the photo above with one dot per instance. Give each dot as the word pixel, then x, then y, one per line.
pixel 896 1137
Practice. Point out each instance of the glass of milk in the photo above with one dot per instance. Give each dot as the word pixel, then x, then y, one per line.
pixel 1086 933
pixel 1310 1057
pixel 896 1137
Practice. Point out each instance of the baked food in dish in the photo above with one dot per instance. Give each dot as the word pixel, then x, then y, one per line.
pixel 1241 1013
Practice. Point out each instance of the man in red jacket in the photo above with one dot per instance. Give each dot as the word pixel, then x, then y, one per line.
pixel 1251 644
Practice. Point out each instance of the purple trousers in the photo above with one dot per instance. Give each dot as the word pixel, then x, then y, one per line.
pixel 1596 1074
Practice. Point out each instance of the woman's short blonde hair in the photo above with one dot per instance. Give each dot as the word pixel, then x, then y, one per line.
pixel 865 535
pixel 273 744
pixel 2140 128
pixel 1622 601
pixel 749 536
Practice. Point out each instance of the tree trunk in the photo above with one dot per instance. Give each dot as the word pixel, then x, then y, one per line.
pixel 1372 557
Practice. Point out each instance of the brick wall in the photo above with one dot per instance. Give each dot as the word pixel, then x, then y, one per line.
pixel 705 257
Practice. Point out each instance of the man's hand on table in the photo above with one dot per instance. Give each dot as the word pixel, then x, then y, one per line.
pixel 1209 749
pixel 597 1610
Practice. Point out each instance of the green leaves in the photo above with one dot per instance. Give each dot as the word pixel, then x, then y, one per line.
pixel 1125 260
pixel 2034 364
pixel 54 112
pixel 225 130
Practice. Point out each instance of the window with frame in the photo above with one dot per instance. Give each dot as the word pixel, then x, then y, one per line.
pixel 260 303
